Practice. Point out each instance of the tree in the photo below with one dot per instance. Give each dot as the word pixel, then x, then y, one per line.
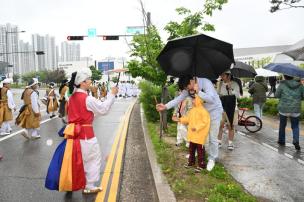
pixel 96 74
pixel 261 62
pixel 115 79
pixel 145 48
pixel 284 4
pixel 191 24
pixel 16 78
pixel 26 78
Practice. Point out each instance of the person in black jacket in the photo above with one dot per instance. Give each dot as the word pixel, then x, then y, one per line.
pixel 272 83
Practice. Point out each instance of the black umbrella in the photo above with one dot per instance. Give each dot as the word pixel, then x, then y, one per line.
pixel 198 55
pixel 242 70
pixel 296 51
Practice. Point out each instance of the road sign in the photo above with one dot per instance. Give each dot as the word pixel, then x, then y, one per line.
pixel 135 30
pixel 105 66
pixel 92 32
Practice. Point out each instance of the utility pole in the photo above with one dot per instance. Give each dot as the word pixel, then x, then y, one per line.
pixel 148 19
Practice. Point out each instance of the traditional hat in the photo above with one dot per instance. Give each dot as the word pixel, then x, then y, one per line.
pixel 82 75
pixel 33 82
pixel 7 80
pixel 52 84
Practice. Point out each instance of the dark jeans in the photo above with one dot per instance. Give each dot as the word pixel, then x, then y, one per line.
pixel 200 154
pixel 294 125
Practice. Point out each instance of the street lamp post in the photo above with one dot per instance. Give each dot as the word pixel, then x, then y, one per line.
pixel 6 45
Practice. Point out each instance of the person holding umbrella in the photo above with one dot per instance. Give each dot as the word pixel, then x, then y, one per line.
pixel 290 93
pixel 228 91
pixel 206 58
pixel 206 91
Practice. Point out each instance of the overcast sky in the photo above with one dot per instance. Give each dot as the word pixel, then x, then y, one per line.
pixel 245 23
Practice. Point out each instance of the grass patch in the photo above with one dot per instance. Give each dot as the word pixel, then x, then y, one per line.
pixel 215 186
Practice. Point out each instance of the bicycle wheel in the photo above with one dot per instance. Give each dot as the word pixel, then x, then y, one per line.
pixel 253 124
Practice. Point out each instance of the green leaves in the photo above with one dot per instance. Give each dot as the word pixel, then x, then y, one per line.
pixel 96 74
pixel 146 47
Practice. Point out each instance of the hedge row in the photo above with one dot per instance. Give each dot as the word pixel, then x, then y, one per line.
pixel 147 97
pixel 149 91
pixel 270 107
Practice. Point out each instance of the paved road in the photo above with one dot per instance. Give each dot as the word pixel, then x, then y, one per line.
pixel 265 169
pixel 25 163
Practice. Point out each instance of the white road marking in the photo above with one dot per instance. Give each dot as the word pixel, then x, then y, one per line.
pixel 301 161
pixel 270 147
pixel 19 131
pixel 288 155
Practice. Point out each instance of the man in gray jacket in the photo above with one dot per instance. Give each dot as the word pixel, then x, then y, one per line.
pixel 212 103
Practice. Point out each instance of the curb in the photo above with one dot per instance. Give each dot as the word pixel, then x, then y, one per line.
pixel 163 189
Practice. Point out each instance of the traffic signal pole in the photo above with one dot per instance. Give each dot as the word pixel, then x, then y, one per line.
pixel 104 37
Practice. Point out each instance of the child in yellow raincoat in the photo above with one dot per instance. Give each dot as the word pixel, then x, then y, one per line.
pixel 198 121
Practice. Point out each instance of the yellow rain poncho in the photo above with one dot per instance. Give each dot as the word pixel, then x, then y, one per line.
pixel 198 117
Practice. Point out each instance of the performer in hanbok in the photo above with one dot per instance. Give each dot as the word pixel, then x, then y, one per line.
pixel 77 160
pixel 94 90
pixel 52 104
pixel 29 115
pixel 7 106
pixel 63 93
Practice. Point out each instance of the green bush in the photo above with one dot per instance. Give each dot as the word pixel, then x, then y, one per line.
pixel 245 102
pixel 270 107
pixel 147 97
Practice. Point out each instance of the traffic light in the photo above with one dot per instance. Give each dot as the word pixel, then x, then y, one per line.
pixel 39 52
pixel 110 37
pixel 74 38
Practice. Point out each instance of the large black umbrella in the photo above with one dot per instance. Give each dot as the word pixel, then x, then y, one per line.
pixel 243 70
pixel 296 51
pixel 198 55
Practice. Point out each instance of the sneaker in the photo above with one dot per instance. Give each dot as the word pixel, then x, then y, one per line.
pixel 4 133
pixel 35 137
pixel 25 135
pixel 281 143
pixel 178 144
pixel 219 145
pixel 230 147
pixel 187 156
pixel 297 146
pixel 92 191
pixel 210 165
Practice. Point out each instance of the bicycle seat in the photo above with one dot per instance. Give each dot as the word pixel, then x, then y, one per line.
pixel 244 109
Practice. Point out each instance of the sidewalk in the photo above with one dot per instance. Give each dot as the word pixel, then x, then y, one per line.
pixel 270 172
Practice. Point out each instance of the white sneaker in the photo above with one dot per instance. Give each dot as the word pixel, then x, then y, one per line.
pixel 25 135
pixel 187 156
pixel 210 165
pixel 36 137
pixel 4 133
pixel 230 147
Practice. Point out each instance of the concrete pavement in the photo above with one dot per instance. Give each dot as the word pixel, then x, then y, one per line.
pixel 266 170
